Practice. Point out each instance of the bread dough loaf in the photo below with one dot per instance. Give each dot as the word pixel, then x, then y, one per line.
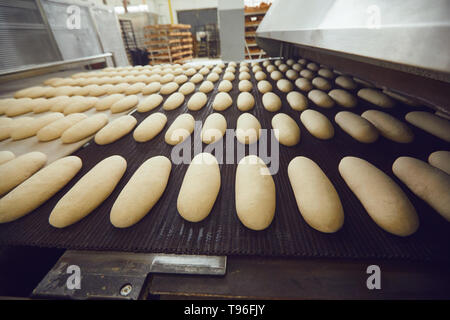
pixel 115 130
pixel 149 103
pixel 260 75
pixel 125 104
pixel 89 192
pixel 304 84
pixel 213 77
pixel 264 86
pixel 222 101
pixel 40 105
pixel 248 129
pixel 30 128
pixel 440 160
pixel 425 181
pixel 284 85
pixel 291 74
pixel 55 129
pixel 245 101
pixel 255 193
pixel 225 86
pixel 206 87
pixel 376 97
pixel 429 122
pixel 187 88
pixel 389 127
pixel 167 78
pixel 106 102
pixel 58 104
pixel 320 98
pixel 169 88
pixel 180 129
pixel 346 83
pixel 326 73
pixel 175 100
pixel 151 88
pixel 245 86
pixel 297 101
pixel 343 98
pixel 197 78
pixel 6 156
pixel 7 125
pixel 317 124
pixel 197 101
pixel 359 128
pixel 271 102
pixel 307 74
pixel 31 92
pixel 316 197
pixel 244 76
pixel 150 127
pixel 383 199
pixel 84 128
pixel 80 104
pixel 180 79
pixel 228 76
pixel 214 128
pixel 287 131
pixel 38 188
pixel 16 171
pixel 321 83
pixel 141 192
pixel 18 107
pixel 200 187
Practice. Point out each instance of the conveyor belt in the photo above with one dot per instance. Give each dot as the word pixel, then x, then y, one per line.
pixel 163 230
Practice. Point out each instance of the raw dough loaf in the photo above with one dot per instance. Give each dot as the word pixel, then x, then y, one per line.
pixel 150 127
pixel 200 187
pixel 153 87
pixel 31 92
pixel 264 86
pixel 245 101
pixel 346 82
pixel 222 101
pixel 180 79
pixel 115 130
pixel 38 188
pixel 18 107
pixel 429 122
pixel 389 127
pixel 41 105
pixel 316 197
pixel 304 84
pixel 425 181
pixel 89 192
pixel 6 156
pixel 80 104
pixel 206 87
pixel 84 128
pixel 317 124
pixel 187 88
pixel 141 192
pixel 307 74
pixel 225 86
pixel 297 101
pixel 175 100
pixel 248 129
pixel 285 85
pixel 135 88
pixel 197 78
pixel 106 102
pixel 343 98
pixel 58 104
pixel 30 128
pixel 213 77
pixel 228 76
pixel 245 86
pixel 271 102
pixel 149 103
pixel 19 169
pixel 255 194
pixel 288 132
pixel 197 101
pixel 440 160
pixel 276 75
pixel 169 88
pixel 55 129
pixel 321 83
pixel 7 125
pixel 320 98
pixel 260 75
pixel 214 128
pixel 291 74
pixel 125 104
pixel 244 76
pixel 359 128
pixel 180 129
pixel 383 199
pixel 326 73
pixel 376 97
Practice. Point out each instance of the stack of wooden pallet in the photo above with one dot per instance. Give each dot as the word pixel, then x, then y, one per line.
pixel 169 43
pixel 253 17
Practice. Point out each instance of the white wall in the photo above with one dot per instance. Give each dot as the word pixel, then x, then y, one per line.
pixel 162 7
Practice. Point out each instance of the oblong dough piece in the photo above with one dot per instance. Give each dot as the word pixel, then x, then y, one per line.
pixel 80 104
pixel 175 100
pixel 197 101
pixel 440 160
pixel 7 125
pixel 359 128
pixel 316 197
pixel 346 82
pixel 89 192
pixel 245 101
pixel 187 88
pixel 287 131
pixel 150 127
pixel 84 128
pixel 264 86
pixel 124 104
pixel 297 101
pixel 271 102
pixel 425 181
pixel 38 188
pixel 321 83
pixel 153 87
pixel 30 128
pixel 200 187
pixel 169 88
pixel 135 88
pixel 376 97
pixel 17 170
pixel 141 192
pixel 55 129
pixel 206 87
pixel 245 86
pixel 6 156
pixel 255 194
pixel 429 122
pixel 149 103
pixel 383 199
pixel 343 98
pixel 320 98
pixel 115 130
pixel 225 86
pixel 304 84
pixel 389 127
pixel 18 107
pixel 222 101
pixel 317 124
pixel 285 85
pixel 181 128
pixel 214 128
pixel 248 129
pixel 106 102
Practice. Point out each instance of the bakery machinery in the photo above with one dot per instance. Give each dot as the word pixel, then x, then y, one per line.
pixel 399 50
